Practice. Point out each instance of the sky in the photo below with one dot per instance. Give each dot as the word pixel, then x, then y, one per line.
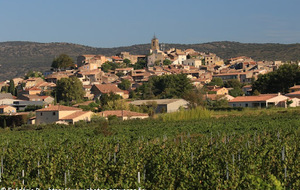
pixel 114 23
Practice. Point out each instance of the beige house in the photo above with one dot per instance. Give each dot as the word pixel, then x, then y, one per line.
pixel 262 101
pixel 124 114
pixel 61 114
pixel 218 90
pixel 99 89
pixel 163 105
pixel 5 109
pixel 193 62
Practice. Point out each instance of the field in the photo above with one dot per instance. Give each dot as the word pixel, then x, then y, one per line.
pixel 235 152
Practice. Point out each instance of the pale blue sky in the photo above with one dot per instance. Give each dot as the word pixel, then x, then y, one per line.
pixel 113 23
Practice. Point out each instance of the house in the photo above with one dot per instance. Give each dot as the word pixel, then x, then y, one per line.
pixel 6 96
pixel 99 89
pixel 295 88
pixel 45 99
pixel 94 59
pixel 21 105
pixel 247 89
pixel 217 90
pixel 163 105
pixel 61 114
pixel 193 62
pixel 262 101
pixel 215 97
pixel 5 109
pixel 123 114
pixel 31 82
pixel 295 94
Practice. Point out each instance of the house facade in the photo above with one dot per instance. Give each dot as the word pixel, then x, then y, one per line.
pixel 163 105
pixel 61 114
pixel 262 101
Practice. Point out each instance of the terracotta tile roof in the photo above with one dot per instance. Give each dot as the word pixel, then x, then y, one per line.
pixel 4 106
pixel 293 93
pixel 107 88
pixel 295 87
pixel 59 108
pixel 262 97
pixel 75 115
pixel 120 113
pixel 116 58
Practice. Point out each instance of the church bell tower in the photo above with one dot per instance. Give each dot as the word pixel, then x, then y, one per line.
pixel 154 44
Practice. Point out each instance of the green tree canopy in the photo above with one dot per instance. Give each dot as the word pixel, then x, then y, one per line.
pixel 127 61
pixel 11 88
pixel 216 81
pixel 62 61
pixel 109 66
pixel 69 89
pixel 141 64
pixel 166 86
pixel 167 62
pixel 278 81
pixel 34 74
pixel 125 84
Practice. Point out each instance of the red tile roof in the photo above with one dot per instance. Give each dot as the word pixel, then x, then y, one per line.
pixel 121 113
pixel 59 108
pixel 262 97
pixel 107 88
pixel 75 115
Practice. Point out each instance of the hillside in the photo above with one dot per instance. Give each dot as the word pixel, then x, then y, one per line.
pixel 16 58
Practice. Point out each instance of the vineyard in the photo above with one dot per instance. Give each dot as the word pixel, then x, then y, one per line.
pixel 236 152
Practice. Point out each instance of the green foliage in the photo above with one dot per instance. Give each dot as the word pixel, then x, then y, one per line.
pixel 11 88
pixel 167 62
pixel 105 98
pixel 216 81
pixel 278 81
pixel 62 61
pixel 236 92
pixel 127 61
pixel 109 66
pixel 185 115
pixel 141 64
pixel 125 84
pixel 34 74
pixel 166 86
pixel 32 108
pixel 195 98
pixel 69 89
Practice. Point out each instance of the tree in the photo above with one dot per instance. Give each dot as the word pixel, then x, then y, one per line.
pixel 237 87
pixel 62 61
pixel 125 84
pixel 195 98
pixel 105 98
pixel 69 89
pixel 34 74
pixel 119 104
pixel 278 81
pixel 127 61
pixel 141 64
pixel 167 62
pixel 166 86
pixel 11 88
pixel 216 82
pixel 109 66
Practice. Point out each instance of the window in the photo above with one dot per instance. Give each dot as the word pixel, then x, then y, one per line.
pixel 246 105
pixel 41 113
pixel 54 113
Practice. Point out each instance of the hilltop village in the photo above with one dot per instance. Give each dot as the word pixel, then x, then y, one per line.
pixel 138 86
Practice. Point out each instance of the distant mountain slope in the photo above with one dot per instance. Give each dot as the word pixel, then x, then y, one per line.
pixel 16 58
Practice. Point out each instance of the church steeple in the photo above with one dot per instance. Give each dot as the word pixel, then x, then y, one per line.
pixel 154 43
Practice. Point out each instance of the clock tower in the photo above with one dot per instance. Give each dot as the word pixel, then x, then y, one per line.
pixel 154 44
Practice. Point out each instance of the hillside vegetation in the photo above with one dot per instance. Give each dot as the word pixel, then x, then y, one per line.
pixel 16 58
